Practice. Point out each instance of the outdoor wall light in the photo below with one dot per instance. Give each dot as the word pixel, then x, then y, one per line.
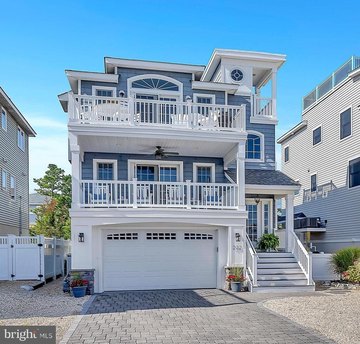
pixel 81 237
pixel 237 237
pixel 257 199
pixel 188 99
pixel 122 94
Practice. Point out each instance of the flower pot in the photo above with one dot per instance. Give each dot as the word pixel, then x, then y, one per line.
pixel 79 291
pixel 236 286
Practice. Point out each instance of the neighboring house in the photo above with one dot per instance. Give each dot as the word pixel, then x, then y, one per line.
pixel 172 164
pixel 14 168
pixel 322 153
pixel 35 200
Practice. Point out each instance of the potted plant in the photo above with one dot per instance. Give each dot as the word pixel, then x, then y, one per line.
pixel 78 287
pixel 236 282
pixel 269 242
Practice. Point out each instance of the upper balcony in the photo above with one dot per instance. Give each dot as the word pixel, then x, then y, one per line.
pixel 131 112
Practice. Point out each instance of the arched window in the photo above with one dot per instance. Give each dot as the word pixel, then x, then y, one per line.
pixel 254 147
pixel 152 83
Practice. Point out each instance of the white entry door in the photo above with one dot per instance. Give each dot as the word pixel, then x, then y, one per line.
pixel 159 259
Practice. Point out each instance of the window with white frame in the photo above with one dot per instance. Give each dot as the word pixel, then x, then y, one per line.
pixel 3 179
pixel 286 154
pixel 253 147
pixel 316 136
pixel 204 173
pixel 104 91
pixel 12 187
pixel 21 139
pixel 204 98
pixel 345 123
pixel 105 169
pixel 3 119
pixel 313 183
pixel 354 172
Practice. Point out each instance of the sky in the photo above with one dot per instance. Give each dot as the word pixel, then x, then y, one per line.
pixel 40 39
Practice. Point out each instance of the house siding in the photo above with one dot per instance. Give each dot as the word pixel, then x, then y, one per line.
pixel 16 163
pixel 122 159
pixel 329 160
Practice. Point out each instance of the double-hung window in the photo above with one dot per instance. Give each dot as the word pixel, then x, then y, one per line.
pixel 3 119
pixel 316 136
pixel 345 124
pixel 21 139
pixel 204 173
pixel 286 154
pixel 354 172
pixel 12 187
pixel 205 109
pixel 3 179
pixel 313 183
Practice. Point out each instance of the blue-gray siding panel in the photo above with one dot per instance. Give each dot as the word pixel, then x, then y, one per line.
pixel 87 165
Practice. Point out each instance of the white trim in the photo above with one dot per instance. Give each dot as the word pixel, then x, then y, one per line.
pixel 153 65
pixel 23 138
pixel 12 177
pixel 132 90
pixel 292 131
pixel 288 147
pixel 271 189
pixel 262 146
pixel 6 118
pixel 321 135
pixel 107 88
pixel 214 86
pixel 351 123
pixel 159 163
pixel 111 161
pixel 91 76
pixel 204 95
pixel 203 164
pixel 314 174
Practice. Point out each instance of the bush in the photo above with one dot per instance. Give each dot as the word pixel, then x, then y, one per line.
pixel 269 242
pixel 353 273
pixel 345 258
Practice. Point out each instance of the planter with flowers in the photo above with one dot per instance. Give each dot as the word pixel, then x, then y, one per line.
pixel 78 287
pixel 236 278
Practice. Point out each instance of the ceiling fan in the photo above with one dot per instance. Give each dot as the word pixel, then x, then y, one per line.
pixel 160 153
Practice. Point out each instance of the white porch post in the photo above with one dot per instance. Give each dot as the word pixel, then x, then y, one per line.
pixel 273 93
pixel 289 219
pixel 240 175
pixel 75 171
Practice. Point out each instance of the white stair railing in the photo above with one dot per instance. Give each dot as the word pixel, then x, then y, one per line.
pixel 251 261
pixel 302 256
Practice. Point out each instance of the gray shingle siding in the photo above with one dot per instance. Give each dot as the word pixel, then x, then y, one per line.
pixel 87 165
pixel 16 163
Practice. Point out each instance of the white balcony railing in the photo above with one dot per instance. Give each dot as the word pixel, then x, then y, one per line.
pixel 134 194
pixel 321 191
pixel 262 108
pixel 251 262
pixel 138 112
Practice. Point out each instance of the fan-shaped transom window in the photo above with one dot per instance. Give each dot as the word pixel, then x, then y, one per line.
pixel 155 83
pixel 253 147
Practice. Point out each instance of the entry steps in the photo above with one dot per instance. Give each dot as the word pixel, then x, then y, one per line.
pixel 280 272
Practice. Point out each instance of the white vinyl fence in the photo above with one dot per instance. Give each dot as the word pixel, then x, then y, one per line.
pixel 32 258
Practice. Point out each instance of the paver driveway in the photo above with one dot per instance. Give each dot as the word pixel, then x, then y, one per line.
pixel 185 316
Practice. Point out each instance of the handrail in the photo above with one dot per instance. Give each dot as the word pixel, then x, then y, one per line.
pixel 302 256
pixel 251 261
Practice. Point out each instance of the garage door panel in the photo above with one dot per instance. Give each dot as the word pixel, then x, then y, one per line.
pixel 156 260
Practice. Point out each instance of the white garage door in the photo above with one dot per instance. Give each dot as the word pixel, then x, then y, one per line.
pixel 163 259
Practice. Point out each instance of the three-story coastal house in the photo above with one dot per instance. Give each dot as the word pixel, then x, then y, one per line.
pixel 174 178
pixel 322 152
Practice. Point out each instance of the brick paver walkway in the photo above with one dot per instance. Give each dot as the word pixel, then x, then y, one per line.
pixel 185 317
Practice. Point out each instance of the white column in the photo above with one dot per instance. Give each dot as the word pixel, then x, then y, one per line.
pixel 289 219
pixel 273 92
pixel 75 171
pixel 240 175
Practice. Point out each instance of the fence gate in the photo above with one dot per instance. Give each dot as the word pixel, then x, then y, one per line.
pixel 22 258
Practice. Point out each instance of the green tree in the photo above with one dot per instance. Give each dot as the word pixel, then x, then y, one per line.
pixel 53 217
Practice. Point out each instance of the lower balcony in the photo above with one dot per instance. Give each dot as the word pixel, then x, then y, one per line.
pixel 319 191
pixel 136 194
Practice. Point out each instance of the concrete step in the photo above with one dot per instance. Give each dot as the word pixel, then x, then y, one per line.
pixel 299 282
pixel 276 271
pixel 275 254
pixel 262 265
pixel 295 289
pixel 281 277
pixel 277 260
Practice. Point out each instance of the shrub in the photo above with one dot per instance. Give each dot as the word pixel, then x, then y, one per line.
pixel 353 273
pixel 344 258
pixel 269 241
pixel 235 274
